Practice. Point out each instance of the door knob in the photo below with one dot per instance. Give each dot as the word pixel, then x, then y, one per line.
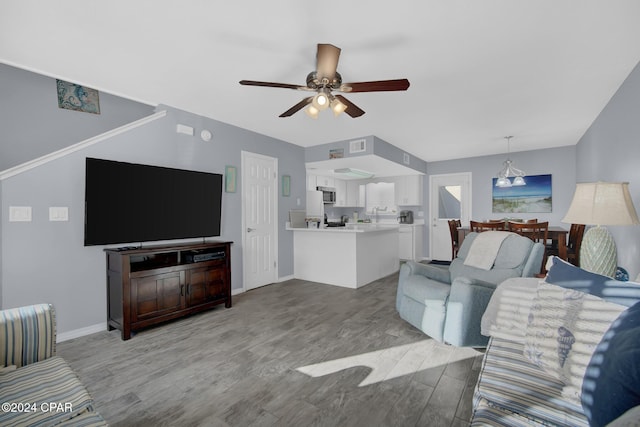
pixel 249 229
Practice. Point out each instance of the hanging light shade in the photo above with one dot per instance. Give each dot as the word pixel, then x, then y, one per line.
pixel 321 101
pixel 510 171
pixel 337 106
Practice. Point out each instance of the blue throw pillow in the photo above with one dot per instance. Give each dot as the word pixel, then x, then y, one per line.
pixel 568 275
pixel 611 384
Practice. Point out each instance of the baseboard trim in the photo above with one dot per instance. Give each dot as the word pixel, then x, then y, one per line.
pixel 77 333
pixel 278 280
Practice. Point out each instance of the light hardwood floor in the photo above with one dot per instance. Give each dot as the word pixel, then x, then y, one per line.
pixel 295 353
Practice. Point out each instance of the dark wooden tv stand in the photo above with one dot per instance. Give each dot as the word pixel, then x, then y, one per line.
pixel 150 285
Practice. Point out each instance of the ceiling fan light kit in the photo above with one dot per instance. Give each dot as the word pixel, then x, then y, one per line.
pixel 326 79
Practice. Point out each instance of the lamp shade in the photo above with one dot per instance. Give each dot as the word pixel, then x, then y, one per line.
pixel 602 203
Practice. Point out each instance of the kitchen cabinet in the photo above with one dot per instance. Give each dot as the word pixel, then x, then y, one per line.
pixel 325 181
pixel 311 182
pixel 410 239
pixel 408 190
pixel 355 194
pixel 341 192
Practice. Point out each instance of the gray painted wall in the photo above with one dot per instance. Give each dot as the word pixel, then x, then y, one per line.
pixel 385 150
pixel 610 151
pixel 33 125
pixel 46 261
pixel 559 162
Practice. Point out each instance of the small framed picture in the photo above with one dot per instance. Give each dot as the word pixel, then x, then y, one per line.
pixel 79 98
pixel 230 179
pixel 286 185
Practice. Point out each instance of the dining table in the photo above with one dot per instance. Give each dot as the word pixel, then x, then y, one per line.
pixel 556 234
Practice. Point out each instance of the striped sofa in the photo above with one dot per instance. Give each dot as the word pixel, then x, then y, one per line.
pixel 515 386
pixel 38 388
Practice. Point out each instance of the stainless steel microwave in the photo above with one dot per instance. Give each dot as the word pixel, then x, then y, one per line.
pixel 328 194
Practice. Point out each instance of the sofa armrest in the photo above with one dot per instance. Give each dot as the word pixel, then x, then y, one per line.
pixel 534 262
pixel 438 273
pixel 467 302
pixel 411 268
pixel 27 334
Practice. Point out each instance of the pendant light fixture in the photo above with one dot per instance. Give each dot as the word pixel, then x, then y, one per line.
pixel 510 171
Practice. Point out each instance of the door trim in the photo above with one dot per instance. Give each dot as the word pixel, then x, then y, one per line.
pixel 275 225
pixel 465 205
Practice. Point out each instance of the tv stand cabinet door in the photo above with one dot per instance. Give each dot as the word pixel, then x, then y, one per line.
pixel 207 284
pixel 157 295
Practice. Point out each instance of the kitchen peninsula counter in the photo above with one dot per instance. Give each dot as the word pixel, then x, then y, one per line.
pixel 350 256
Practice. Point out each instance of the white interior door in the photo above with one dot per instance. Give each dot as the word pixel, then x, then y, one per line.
pixel 259 219
pixel 449 198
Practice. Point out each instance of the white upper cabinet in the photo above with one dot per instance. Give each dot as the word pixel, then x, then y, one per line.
pixel 355 193
pixel 341 192
pixel 311 182
pixel 325 181
pixel 408 191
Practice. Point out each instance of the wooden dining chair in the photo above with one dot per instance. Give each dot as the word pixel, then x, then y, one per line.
pixel 454 224
pixel 573 245
pixel 479 226
pixel 536 231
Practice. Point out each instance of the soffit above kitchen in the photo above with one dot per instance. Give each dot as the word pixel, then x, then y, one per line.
pixel 378 166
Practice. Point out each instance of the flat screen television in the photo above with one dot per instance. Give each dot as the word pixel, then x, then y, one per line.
pixel 131 203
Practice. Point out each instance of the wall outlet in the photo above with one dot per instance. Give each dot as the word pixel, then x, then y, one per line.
pixel 19 213
pixel 58 213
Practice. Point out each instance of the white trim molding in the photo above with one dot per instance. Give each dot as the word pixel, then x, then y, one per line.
pixel 31 164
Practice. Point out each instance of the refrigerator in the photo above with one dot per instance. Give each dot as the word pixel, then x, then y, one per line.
pixel 315 205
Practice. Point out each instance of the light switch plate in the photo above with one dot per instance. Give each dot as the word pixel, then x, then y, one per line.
pixel 58 213
pixel 19 213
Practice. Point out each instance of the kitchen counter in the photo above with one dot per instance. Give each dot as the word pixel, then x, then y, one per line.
pixel 351 228
pixel 350 256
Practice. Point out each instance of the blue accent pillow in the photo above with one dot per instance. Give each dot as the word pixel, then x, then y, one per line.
pixel 611 384
pixel 568 275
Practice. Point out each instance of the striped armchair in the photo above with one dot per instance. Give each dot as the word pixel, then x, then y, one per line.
pixel 36 386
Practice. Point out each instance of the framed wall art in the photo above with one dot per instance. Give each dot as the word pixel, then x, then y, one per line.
pixel 534 197
pixel 78 98
pixel 230 173
pixel 286 185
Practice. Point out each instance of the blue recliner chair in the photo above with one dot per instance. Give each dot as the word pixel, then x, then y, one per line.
pixel 448 303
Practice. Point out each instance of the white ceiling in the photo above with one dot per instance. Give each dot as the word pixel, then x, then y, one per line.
pixel 479 69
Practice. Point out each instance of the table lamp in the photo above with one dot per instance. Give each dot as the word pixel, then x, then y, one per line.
pixel 601 203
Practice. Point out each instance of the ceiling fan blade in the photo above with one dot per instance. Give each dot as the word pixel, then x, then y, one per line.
pixel 375 86
pixel 299 106
pixel 352 109
pixel 327 61
pixel 269 84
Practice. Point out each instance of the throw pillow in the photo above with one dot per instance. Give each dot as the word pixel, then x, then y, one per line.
pixel 563 330
pixel 508 309
pixel 567 275
pixel 612 382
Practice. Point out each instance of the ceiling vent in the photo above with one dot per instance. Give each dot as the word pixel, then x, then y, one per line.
pixel 358 146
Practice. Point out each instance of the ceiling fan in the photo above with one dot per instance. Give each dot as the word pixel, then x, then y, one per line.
pixel 326 79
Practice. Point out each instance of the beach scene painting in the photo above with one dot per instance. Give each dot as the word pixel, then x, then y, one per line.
pixel 535 197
